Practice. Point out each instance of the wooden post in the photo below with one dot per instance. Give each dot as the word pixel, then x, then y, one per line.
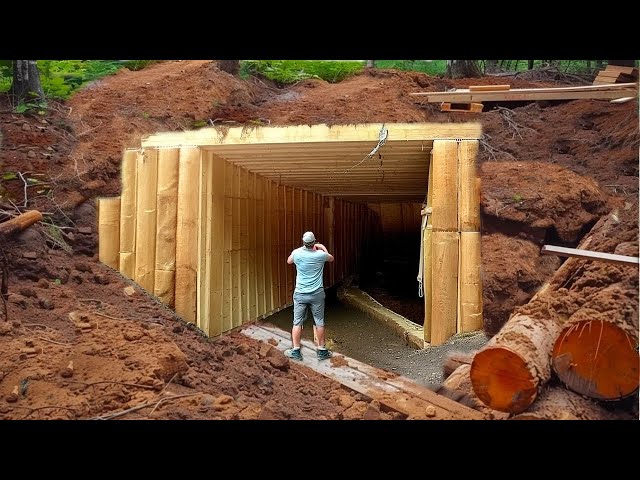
pixel 109 231
pixel 269 275
pixel 244 286
pixel 261 218
pixel 187 234
pixel 329 219
pixel 444 241
pixel 147 181
pixel 216 319
pixel 236 272
pixel 128 195
pixel 166 222
pixel 470 291
pixel 470 285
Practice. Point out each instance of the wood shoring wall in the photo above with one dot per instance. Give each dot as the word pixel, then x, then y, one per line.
pixel 453 294
pixel 211 239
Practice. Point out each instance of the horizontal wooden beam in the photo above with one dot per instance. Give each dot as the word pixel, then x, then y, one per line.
pixel 589 255
pixel 213 136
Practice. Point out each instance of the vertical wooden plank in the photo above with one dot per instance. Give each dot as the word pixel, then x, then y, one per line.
pixel 290 245
pixel 109 231
pixel 329 219
pixel 275 245
pixel 252 258
pixel 282 242
pixel 227 295
pixel 166 225
pixel 244 286
pixel 445 186
pixel 427 283
pixel 128 206
pixel 469 193
pixel 470 311
pixel 236 275
pixel 204 242
pixel 445 286
pixel 261 307
pixel 218 220
pixel 187 234
pixel 268 273
pixel 147 180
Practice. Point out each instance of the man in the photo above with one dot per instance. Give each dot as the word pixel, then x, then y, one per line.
pixel 309 292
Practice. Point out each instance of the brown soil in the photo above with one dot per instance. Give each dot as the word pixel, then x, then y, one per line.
pixel 549 172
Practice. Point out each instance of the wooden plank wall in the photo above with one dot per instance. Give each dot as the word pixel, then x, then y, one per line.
pixel 211 239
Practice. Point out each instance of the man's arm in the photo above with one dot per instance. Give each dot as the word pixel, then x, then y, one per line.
pixel 290 259
pixel 320 246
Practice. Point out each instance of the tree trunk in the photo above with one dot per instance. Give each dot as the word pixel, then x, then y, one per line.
pixel 371 63
pixel 596 354
pixel 510 369
pixel 530 64
pixel 557 403
pixel 455 360
pixel 463 69
pixel 458 387
pixel 229 66
pixel 599 65
pixel 26 80
pixel 492 66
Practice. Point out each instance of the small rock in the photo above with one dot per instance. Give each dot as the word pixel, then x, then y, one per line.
pixel 85 230
pixel 346 401
pixel 43 283
pixel 46 304
pixel 26 127
pixel 273 342
pixel 430 411
pixel 82 267
pixel 101 279
pixel 132 335
pixel 5 328
pixel 371 414
pixel 242 348
pixel 68 371
pixel 63 276
pixel 18 300
pixel 13 396
pixel 31 154
pixel 223 400
pixel 28 292
pixel 29 343
pixel 265 349
pixel 129 291
pixel 29 351
pixel 356 411
pixel 77 278
pixel 30 255
pixel 629 249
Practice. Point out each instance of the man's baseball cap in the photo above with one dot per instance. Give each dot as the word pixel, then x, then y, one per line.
pixel 308 237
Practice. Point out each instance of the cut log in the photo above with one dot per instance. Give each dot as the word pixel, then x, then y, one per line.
pixel 557 403
pixel 598 356
pixel 455 360
pixel 509 370
pixel 458 387
pixel 19 223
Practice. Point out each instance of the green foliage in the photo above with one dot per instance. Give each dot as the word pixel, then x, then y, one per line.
pixel 135 65
pixel 517 198
pixel 290 71
pixel 60 78
pixel 430 67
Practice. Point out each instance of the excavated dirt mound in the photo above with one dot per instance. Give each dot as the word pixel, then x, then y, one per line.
pixel 73 153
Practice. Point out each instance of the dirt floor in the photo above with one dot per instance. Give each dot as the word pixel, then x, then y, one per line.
pixel 549 170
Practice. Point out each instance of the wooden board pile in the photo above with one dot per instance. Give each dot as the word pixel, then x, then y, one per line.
pixel 615 74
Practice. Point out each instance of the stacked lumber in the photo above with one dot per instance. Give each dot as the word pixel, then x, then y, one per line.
pixel 616 74
pixel 467 95
pixel 591 348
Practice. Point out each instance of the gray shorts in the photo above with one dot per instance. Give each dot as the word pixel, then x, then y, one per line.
pixel 315 302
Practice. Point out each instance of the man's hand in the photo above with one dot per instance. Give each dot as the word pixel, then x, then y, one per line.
pixel 319 246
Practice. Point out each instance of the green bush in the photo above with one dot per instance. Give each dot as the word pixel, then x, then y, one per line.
pixel 290 71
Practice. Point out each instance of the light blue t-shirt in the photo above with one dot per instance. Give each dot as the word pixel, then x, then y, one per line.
pixel 309 267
